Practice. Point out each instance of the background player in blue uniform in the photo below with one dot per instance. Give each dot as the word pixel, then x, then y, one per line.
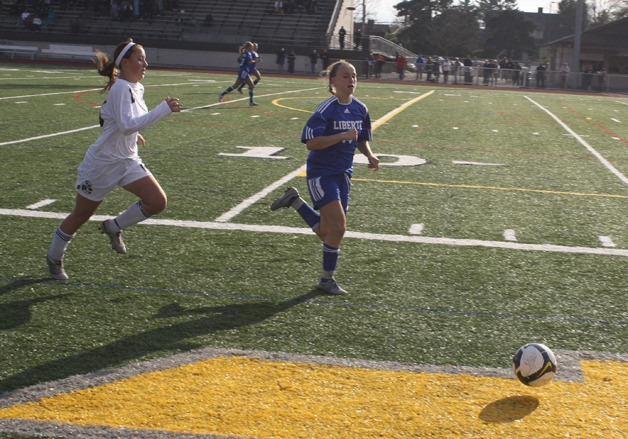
pixel 338 126
pixel 253 71
pixel 244 76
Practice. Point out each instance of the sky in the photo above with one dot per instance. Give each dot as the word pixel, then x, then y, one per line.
pixel 384 11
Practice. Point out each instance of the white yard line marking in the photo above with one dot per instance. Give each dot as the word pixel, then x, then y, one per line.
pixel 416 229
pixel 606 241
pixel 45 136
pixel 258 196
pixel 41 203
pixel 615 120
pixel 265 228
pixel 49 94
pixel 599 156
pixel 510 235
pixel 267 190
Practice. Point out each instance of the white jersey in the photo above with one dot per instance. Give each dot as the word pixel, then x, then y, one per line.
pixel 122 115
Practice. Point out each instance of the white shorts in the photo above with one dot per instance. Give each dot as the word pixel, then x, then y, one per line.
pixel 94 182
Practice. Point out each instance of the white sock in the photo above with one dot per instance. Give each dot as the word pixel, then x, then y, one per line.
pixel 60 242
pixel 133 215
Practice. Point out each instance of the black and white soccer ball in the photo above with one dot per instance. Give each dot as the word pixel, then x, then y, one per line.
pixel 534 364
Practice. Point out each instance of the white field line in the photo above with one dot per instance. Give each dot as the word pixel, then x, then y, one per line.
pixel 599 156
pixel 606 241
pixel 45 136
pixel 41 203
pixel 48 94
pixel 262 228
pixel 510 235
pixel 261 194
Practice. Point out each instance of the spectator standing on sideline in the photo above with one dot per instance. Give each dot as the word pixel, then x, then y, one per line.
pixel 564 71
pixel 281 59
pixel 313 61
pixel 113 160
pixel 341 37
pixel 401 63
pixel 324 56
pixel 435 69
pixel 420 67
pixel 446 67
pixel 601 77
pixel 357 38
pixel 516 74
pixel 587 77
pixel 292 58
pixel 380 62
pixel 455 69
pixel 468 73
pixel 339 125
pixel 428 69
pixel 540 75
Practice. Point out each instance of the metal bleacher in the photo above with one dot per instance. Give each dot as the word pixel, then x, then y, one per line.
pixel 234 21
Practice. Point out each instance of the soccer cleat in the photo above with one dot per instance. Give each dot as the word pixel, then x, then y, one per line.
pixel 115 238
pixel 56 269
pixel 286 199
pixel 252 104
pixel 331 286
pixel 221 97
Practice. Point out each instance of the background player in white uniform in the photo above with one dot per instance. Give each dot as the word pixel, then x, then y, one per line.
pixel 113 160
pixel 338 126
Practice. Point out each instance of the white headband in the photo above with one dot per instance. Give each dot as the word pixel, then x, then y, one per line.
pixel 123 52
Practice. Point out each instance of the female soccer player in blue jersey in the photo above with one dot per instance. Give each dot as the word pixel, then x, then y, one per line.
pixel 338 126
pixel 247 62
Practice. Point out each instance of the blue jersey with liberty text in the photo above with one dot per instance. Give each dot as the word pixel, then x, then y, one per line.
pixel 331 117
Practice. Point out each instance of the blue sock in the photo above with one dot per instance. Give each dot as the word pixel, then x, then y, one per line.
pixel 227 91
pixel 309 215
pixel 251 93
pixel 330 260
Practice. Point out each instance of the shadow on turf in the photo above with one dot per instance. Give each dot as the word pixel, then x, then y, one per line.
pixel 172 336
pixel 17 313
pixel 509 409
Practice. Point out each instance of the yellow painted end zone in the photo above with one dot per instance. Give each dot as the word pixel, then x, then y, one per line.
pixel 245 397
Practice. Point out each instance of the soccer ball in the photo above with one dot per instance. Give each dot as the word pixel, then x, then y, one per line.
pixel 534 364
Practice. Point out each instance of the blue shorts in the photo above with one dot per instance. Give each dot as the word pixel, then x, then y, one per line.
pixel 329 188
pixel 243 75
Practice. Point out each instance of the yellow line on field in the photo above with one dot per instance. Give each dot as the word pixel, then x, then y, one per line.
pixel 396 111
pixel 249 397
pixel 497 188
pixel 376 124
pixel 276 102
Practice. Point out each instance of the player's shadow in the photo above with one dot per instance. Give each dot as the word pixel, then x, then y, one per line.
pixel 171 336
pixel 509 409
pixel 18 312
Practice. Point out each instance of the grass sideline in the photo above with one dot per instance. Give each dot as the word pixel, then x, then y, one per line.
pixel 496 161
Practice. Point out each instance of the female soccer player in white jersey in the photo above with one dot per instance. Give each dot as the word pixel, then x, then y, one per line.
pixel 113 160
pixel 338 126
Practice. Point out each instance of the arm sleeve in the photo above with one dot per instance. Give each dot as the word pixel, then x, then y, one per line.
pixel 125 107
pixel 314 127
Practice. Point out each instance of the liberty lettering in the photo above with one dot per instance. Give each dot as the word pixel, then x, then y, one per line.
pixel 347 125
